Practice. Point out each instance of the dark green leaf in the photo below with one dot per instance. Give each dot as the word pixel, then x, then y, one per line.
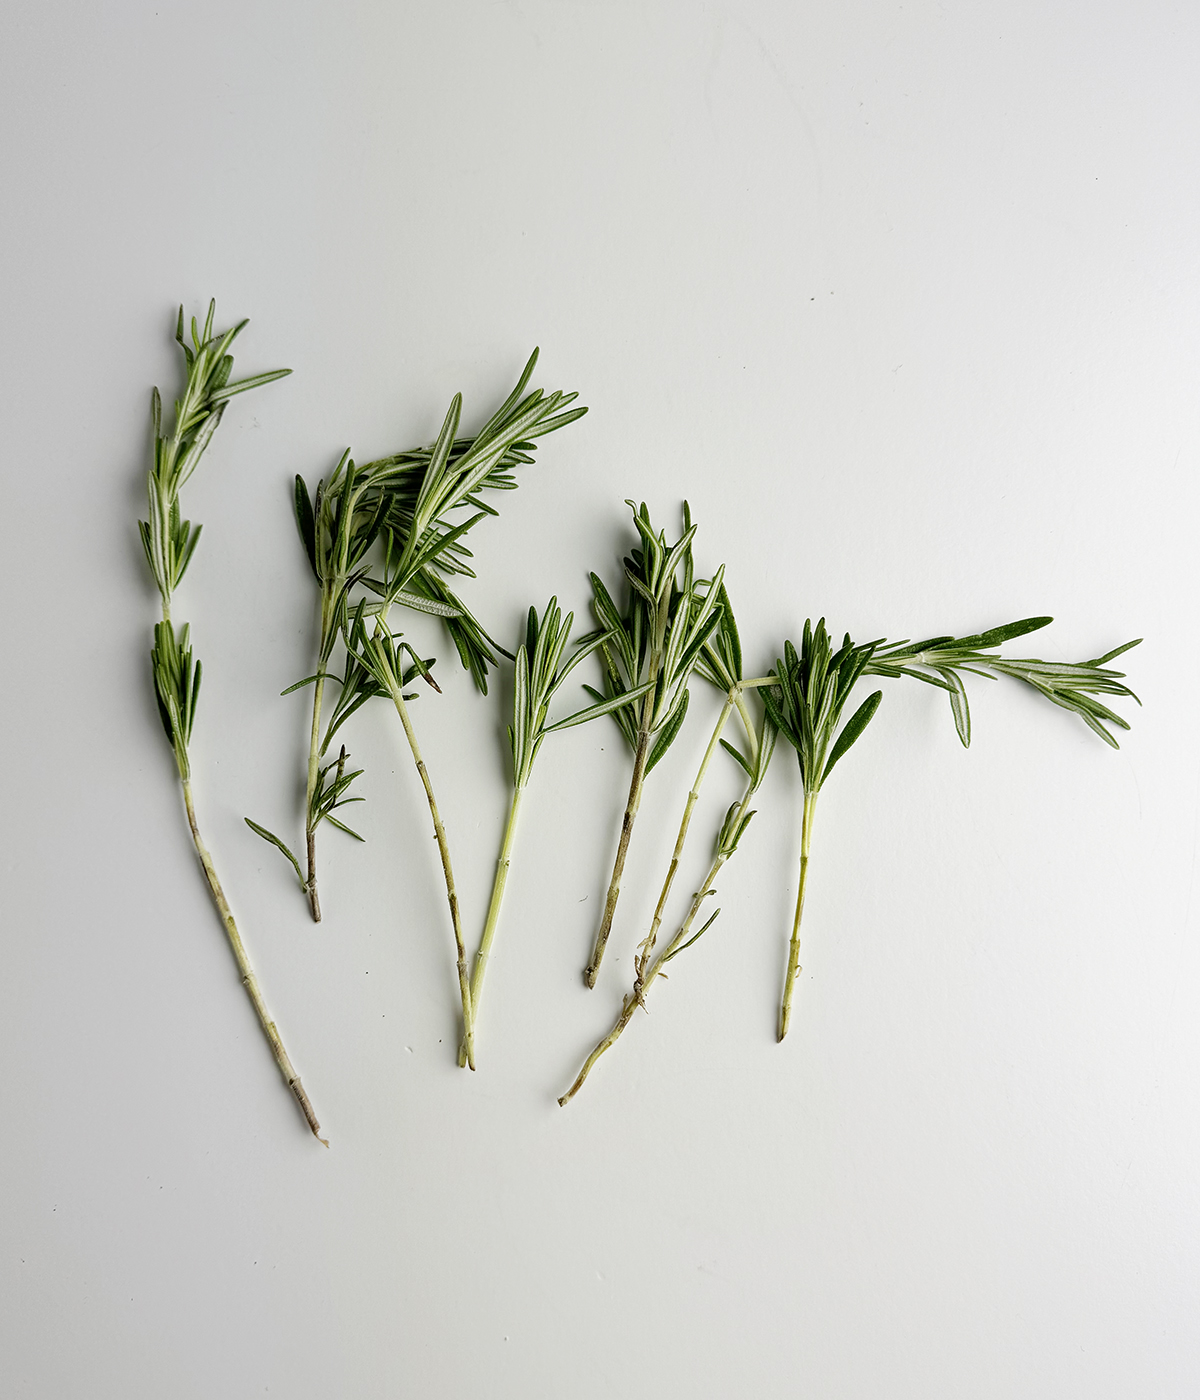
pixel 854 726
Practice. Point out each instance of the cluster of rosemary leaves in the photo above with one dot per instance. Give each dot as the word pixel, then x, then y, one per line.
pixel 803 699
pixel 391 534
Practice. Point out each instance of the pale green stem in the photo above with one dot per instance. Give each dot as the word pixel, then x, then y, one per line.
pixel 466 1053
pixel 310 830
pixel 249 980
pixel 647 947
pixel 793 967
pixel 633 999
pixel 614 889
pixel 640 756
pixel 439 831
pixel 747 723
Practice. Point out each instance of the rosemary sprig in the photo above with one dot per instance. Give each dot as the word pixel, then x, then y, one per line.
pixel 538 676
pixel 805 681
pixel 733 828
pixel 654 648
pixel 170 543
pixel 806 707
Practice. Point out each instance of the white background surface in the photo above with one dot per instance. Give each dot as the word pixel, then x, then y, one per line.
pixel 904 300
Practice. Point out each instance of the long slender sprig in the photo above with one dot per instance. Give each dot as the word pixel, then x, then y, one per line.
pixel 942 661
pixel 733 828
pixel 538 676
pixel 655 646
pixel 170 543
pixel 806 707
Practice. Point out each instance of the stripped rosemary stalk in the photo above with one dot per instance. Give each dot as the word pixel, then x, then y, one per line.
pixel 170 542
pixel 654 647
pixel 737 819
pixel 537 678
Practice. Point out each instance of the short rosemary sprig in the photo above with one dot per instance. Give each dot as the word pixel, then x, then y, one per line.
pixel 805 681
pixel 806 707
pixel 538 676
pixel 733 828
pixel 170 542
pixel 655 646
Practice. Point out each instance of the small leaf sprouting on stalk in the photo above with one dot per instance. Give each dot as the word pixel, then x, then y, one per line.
pixel 806 707
pixel 1073 686
pixel 537 678
pixel 414 501
pixel 653 648
pixel 170 543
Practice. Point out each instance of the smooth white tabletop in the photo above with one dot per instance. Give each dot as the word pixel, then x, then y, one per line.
pixel 904 300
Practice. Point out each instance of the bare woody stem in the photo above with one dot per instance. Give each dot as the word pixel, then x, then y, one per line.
pixel 793 966
pixel 647 947
pixel 466 1052
pixel 314 757
pixel 249 980
pixel 439 831
pixel 641 753
pixel 634 998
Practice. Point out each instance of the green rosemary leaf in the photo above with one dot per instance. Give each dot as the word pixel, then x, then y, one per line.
pixel 253 383
pixel 275 841
pixel 306 523
pixel 745 763
pixel 675 952
pixel 602 707
pixel 854 726
pixel 670 728
pixel 959 706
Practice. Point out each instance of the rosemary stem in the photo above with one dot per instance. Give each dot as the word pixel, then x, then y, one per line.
pixel 314 757
pixel 249 980
pixel 641 754
pixel 439 831
pixel 647 947
pixel 466 1051
pixel 637 996
pixel 793 966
